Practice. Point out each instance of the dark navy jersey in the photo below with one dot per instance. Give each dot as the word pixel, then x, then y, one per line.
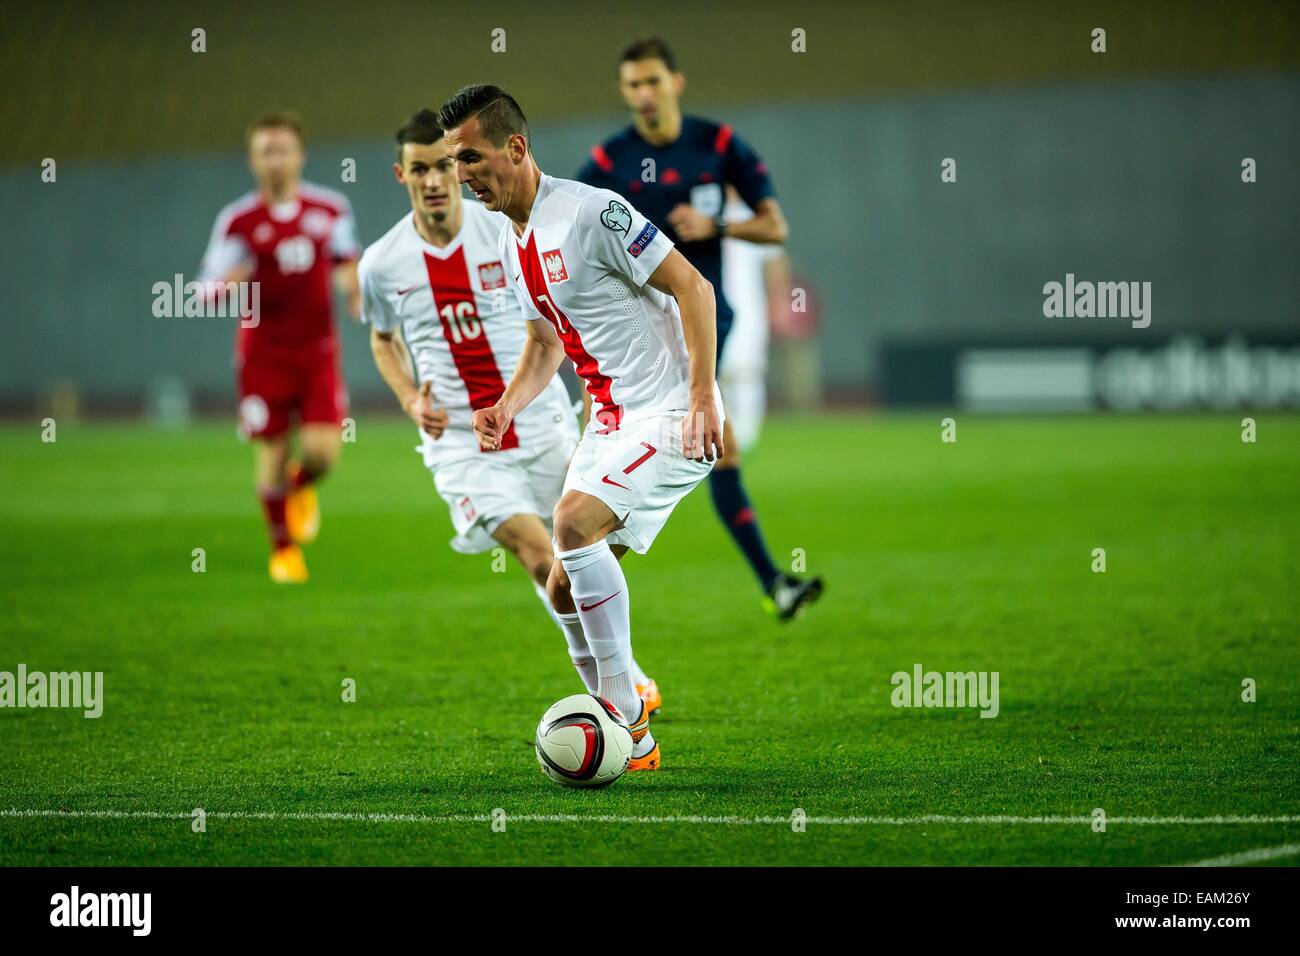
pixel 693 169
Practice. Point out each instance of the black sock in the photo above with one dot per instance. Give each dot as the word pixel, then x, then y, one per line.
pixel 737 514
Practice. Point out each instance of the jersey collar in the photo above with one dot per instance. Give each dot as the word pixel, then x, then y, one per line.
pixel 284 211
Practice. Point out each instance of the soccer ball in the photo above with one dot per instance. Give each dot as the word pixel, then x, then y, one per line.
pixel 583 741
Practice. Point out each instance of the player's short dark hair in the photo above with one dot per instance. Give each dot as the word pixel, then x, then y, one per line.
pixel 420 127
pixel 280 119
pixel 650 48
pixel 497 112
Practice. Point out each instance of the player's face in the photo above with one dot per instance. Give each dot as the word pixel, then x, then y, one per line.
pixel 429 176
pixel 275 156
pixel 650 89
pixel 491 172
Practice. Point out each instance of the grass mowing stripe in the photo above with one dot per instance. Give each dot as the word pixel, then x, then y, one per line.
pixel 1260 855
pixel 994 820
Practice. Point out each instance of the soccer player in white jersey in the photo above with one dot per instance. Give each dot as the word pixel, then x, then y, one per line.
pixel 434 290
pixel 749 272
pixel 602 284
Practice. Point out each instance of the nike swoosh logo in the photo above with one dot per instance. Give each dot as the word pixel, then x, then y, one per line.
pixel 410 289
pixel 592 607
pixel 607 480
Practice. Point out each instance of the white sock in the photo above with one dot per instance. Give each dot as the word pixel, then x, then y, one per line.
pixel 599 590
pixel 621 684
pixel 583 662
pixel 579 653
pixel 617 688
pixel 638 675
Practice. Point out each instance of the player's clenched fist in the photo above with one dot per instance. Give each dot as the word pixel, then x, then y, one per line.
pixel 490 424
pixel 702 432
pixel 432 420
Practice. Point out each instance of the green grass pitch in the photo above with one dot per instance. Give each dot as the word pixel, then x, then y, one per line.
pixel 1120 690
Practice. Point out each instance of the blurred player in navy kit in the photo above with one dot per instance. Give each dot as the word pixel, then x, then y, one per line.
pixel 682 192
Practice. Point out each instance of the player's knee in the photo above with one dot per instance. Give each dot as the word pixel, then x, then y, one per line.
pixel 526 538
pixel 571 525
pixel 271 459
pixel 320 449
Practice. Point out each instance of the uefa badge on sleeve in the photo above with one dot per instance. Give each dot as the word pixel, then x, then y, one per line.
pixel 643 239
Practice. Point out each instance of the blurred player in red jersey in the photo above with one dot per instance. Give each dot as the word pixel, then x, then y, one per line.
pixel 293 239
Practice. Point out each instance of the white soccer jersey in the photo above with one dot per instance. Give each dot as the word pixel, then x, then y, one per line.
pixel 463 327
pixel 582 265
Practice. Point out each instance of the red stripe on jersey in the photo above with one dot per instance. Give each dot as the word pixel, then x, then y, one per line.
pixel 598 383
pixel 601 158
pixel 453 298
pixel 724 137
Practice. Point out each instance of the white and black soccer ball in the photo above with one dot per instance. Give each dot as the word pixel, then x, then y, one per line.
pixel 583 741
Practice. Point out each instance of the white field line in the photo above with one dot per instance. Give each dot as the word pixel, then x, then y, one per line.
pixel 1251 856
pixel 866 821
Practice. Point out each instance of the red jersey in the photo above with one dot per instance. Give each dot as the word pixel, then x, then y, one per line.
pixel 292 248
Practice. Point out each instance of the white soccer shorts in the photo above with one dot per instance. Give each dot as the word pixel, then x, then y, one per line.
pixel 484 490
pixel 640 472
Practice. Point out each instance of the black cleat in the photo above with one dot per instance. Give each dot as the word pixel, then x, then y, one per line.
pixel 790 595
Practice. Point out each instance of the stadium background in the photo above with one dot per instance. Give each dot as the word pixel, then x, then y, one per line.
pixel 1116 166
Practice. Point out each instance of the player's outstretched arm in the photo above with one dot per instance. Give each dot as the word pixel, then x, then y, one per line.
pixel 768 225
pixel 227 259
pixel 702 429
pixel 538 363
pixel 394 363
pixel 345 280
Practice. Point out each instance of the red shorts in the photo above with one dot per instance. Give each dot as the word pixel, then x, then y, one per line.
pixel 278 388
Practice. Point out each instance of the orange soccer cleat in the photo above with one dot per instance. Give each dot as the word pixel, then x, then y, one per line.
pixel 642 727
pixel 649 694
pixel 288 567
pixel 649 762
pixel 302 511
